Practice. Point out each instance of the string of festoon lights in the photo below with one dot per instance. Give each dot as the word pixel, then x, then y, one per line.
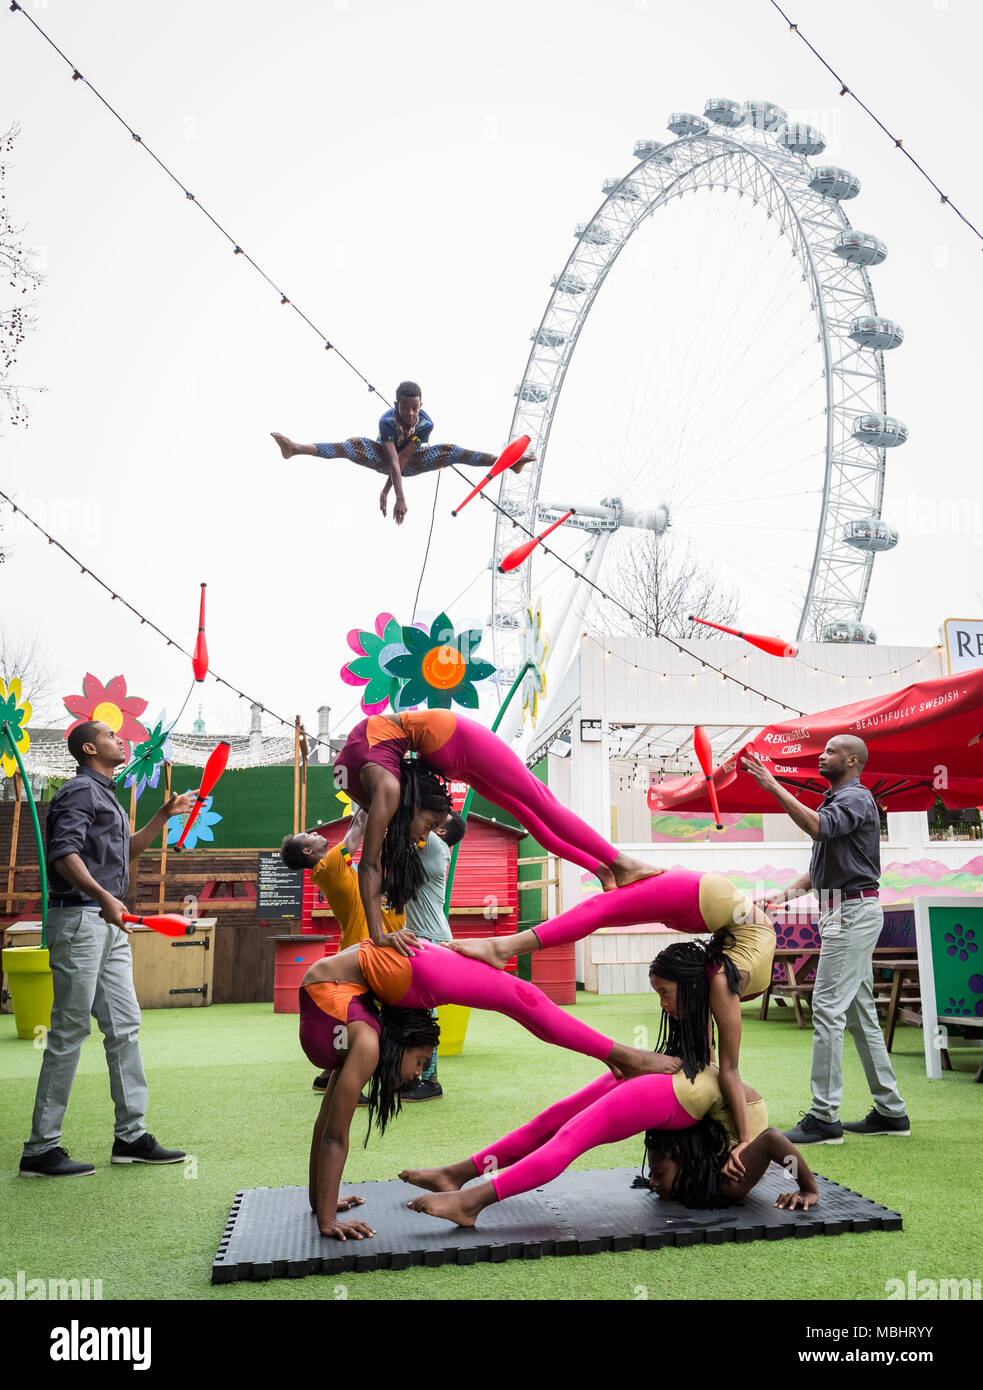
pixel 285 300
pixel 847 91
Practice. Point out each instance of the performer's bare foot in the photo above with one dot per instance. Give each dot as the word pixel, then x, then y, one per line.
pixel 460 1207
pixel 625 870
pixel 286 446
pixel 433 1179
pixel 486 949
pixel 520 464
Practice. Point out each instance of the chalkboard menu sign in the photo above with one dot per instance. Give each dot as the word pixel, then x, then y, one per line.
pixel 279 890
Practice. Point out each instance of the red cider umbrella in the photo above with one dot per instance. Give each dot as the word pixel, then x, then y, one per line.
pixel 923 742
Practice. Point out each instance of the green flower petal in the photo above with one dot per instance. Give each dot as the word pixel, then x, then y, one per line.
pixel 370 643
pixel 416 641
pixel 406 666
pixel 378 689
pixel 439 699
pixel 414 692
pixel 365 667
pixel 466 695
pixel 442 631
pixel 479 670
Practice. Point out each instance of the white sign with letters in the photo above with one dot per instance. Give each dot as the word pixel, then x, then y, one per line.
pixel 963 640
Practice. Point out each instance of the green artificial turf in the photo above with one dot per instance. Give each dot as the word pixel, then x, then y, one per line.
pixel 230 1085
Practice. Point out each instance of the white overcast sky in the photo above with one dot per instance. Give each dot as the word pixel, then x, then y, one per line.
pixel 411 174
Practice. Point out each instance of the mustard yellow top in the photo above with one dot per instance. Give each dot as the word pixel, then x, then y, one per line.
pixel 703 1098
pixel 337 878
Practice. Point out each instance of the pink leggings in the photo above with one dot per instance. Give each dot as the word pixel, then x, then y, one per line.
pixel 440 976
pixel 672 897
pixel 485 762
pixel 604 1112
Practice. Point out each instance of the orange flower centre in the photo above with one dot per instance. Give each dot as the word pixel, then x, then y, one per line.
pixel 108 713
pixel 443 668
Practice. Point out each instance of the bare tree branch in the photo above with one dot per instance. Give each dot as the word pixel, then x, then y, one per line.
pixel 662 589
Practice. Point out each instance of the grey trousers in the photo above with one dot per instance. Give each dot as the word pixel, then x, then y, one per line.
pixel 843 998
pixel 93 977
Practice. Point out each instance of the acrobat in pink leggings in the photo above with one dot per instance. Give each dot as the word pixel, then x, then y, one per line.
pixel 604 1112
pixel 474 755
pixel 672 898
pixel 435 975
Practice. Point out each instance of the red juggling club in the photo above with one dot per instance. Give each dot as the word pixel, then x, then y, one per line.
pixel 214 768
pixel 167 923
pixel 774 646
pixel 200 659
pixel 704 753
pixel 509 455
pixel 515 557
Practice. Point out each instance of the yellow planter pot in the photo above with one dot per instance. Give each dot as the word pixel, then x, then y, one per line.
pixel 453 1021
pixel 31 988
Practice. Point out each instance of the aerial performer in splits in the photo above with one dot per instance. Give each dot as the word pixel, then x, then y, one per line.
pixel 687 901
pixel 407 799
pixel 343 1032
pixel 402 449
pixel 689 1129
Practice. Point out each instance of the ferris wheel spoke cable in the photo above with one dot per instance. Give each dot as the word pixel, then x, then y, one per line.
pixel 814 455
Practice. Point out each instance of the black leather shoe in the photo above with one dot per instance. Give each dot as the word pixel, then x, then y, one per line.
pixel 144 1150
pixel 876 1123
pixel 812 1130
pixel 54 1163
pixel 423 1090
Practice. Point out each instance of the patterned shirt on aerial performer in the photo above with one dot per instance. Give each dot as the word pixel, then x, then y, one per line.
pixel 391 431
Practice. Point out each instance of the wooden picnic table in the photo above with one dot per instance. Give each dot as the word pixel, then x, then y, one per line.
pixel 800 961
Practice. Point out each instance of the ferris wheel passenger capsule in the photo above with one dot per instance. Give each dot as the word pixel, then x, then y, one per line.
pixel 870 533
pixel 569 284
pixel 882 430
pixel 594 233
pixel 647 149
pixel 801 139
pixel 534 394
pixel 685 123
pixel 859 248
pixel 723 111
pixel 834 183
pixel 548 337
pixel 623 192
pixel 764 115
pixel 872 331
pixel 845 630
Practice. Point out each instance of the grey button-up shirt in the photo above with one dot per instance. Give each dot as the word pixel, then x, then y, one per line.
pixel 847 851
pixel 86 818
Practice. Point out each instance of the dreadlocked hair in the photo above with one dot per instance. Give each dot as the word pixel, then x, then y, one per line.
pixel 403 875
pixel 700 1153
pixel 399 1029
pixel 690 964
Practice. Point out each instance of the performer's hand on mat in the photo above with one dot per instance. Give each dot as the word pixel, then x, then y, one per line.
pixel 348 1230
pixel 734 1168
pixel 792 1201
pixel 346 1203
pixel 404 941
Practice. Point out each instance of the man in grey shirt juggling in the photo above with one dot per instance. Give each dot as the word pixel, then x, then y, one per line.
pixel 844 872
pixel 426 917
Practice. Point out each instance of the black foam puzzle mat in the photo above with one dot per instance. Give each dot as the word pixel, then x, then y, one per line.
pixel 272 1232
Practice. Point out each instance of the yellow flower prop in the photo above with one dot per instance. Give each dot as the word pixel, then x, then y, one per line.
pixel 16 715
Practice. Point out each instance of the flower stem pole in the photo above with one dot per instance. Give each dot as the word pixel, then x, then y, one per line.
pixel 7 735
pixel 470 796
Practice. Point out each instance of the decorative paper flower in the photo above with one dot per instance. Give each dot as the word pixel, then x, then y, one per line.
pixel 962 945
pixel 439 667
pixel 201 826
pixel 108 704
pixel 535 645
pixel 16 715
pixel 148 759
pixel 373 650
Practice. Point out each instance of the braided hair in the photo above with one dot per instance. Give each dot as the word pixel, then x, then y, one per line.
pixel 690 965
pixel 700 1153
pixel 422 789
pixel 399 1029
